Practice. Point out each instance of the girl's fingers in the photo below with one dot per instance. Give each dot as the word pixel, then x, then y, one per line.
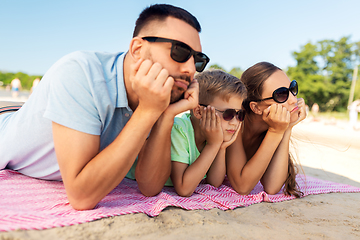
pixel 285 114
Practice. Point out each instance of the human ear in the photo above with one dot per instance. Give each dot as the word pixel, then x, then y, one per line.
pixel 197 112
pixel 135 48
pixel 255 108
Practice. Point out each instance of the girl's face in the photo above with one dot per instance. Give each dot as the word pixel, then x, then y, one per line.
pixel 276 80
pixel 228 127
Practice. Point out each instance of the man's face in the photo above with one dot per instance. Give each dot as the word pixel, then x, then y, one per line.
pixel 183 73
pixel 180 86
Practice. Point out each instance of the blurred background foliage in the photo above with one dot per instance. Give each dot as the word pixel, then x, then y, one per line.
pixel 26 80
pixel 324 71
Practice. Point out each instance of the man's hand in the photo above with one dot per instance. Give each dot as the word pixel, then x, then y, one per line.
pixel 190 100
pixel 277 117
pixel 152 84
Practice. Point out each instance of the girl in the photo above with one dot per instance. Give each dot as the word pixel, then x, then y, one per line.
pixel 261 151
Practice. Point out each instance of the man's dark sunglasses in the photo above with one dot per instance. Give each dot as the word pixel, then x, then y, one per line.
pixel 181 52
pixel 281 95
pixel 229 114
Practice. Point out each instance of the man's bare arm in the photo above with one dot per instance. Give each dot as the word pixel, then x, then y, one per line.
pixel 154 162
pixel 153 166
pixel 89 175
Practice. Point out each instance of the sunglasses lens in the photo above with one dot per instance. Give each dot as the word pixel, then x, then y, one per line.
pixel 294 88
pixel 241 115
pixel 229 114
pixel 201 60
pixel 200 66
pixel 180 52
pixel 280 95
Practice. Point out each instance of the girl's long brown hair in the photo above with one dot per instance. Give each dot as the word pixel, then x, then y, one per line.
pixel 254 78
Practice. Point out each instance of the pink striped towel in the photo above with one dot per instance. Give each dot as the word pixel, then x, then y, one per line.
pixel 28 203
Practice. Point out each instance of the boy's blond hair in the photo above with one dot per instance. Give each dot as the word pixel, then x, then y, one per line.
pixel 217 83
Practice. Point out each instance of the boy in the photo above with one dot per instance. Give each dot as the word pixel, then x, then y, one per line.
pixel 199 139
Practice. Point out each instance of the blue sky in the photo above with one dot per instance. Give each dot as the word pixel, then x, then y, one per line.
pixel 34 34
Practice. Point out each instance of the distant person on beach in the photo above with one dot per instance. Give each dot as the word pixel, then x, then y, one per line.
pixel 315 110
pixel 354 108
pixel 199 139
pixel 94 113
pixel 15 87
pixel 35 83
pixel 261 150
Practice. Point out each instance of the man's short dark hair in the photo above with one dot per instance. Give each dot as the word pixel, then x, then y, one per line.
pixel 162 11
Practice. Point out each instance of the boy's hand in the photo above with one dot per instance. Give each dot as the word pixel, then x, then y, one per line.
pixel 302 112
pixel 224 145
pixel 152 84
pixel 190 100
pixel 277 117
pixel 210 125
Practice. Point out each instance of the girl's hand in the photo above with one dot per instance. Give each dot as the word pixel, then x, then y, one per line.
pixel 301 112
pixel 210 125
pixel 277 117
pixel 224 145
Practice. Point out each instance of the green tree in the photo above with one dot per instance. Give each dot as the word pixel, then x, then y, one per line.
pixel 236 71
pixel 25 79
pixel 306 73
pixel 216 66
pixel 357 89
pixel 324 72
pixel 6 77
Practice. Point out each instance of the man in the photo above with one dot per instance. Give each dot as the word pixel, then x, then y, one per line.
pixel 97 111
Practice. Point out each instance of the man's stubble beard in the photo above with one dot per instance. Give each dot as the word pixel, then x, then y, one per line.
pixel 175 97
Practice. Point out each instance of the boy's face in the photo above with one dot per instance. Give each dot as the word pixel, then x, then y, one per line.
pixel 228 127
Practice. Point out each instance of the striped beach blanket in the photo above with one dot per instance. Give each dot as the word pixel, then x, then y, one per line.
pixel 28 203
pixel 9 109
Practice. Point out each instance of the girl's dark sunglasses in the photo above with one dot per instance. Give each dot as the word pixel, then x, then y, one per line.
pixel 181 52
pixel 229 114
pixel 281 95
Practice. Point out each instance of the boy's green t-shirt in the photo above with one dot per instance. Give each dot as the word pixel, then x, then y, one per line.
pixel 183 147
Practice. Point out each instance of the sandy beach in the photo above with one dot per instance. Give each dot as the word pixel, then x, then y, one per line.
pixel 327 150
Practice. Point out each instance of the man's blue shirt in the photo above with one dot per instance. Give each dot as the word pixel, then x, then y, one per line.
pixel 83 91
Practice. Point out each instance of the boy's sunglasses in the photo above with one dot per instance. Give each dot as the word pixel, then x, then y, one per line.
pixel 229 114
pixel 181 52
pixel 281 95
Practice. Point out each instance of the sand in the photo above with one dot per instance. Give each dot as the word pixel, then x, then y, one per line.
pixel 328 150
